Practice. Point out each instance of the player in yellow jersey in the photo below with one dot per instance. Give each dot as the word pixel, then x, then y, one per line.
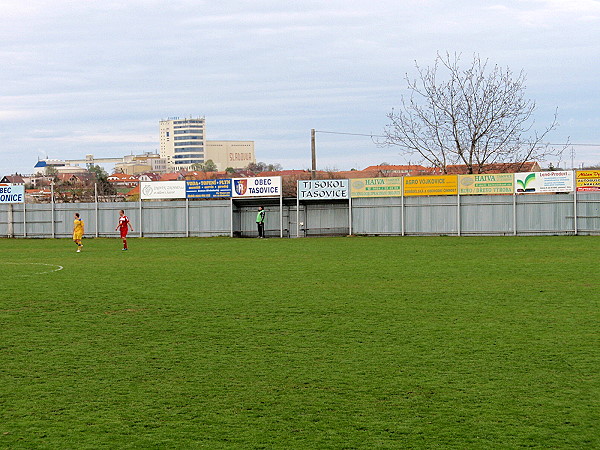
pixel 78 232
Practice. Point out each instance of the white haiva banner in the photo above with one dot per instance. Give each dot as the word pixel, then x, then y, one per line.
pixel 544 182
pixel 12 193
pixel 154 190
pixel 256 187
pixel 323 190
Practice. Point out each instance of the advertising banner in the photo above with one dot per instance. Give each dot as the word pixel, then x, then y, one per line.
pixel 208 188
pixel 432 185
pixel 155 190
pixel 544 182
pixel 493 183
pixel 588 180
pixel 323 190
pixel 12 193
pixel 376 187
pixel 256 187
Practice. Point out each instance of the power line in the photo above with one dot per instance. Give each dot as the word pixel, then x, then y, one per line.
pixel 349 134
pixel 378 135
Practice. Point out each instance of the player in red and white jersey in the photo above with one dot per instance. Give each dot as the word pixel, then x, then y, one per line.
pixel 123 226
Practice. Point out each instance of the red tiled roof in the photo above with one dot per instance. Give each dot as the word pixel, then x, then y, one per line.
pixel 134 191
pixel 173 176
pixel 398 168
pixel 529 166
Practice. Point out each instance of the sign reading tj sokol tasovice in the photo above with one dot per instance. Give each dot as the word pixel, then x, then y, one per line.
pixel 12 193
pixel 256 187
pixel 323 190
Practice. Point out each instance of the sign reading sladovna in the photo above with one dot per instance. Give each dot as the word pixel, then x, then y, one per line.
pixel 12 193
pixel 256 187
pixel 323 190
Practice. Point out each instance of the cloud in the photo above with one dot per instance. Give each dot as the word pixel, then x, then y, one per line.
pixel 89 77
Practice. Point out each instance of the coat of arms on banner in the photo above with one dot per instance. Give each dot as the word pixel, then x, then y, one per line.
pixel 240 186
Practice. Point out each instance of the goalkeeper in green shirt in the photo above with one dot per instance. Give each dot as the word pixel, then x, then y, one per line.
pixel 260 222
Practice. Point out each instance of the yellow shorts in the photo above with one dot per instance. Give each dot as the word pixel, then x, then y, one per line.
pixel 77 236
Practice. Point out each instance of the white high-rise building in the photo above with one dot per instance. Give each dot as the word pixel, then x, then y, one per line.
pixel 182 142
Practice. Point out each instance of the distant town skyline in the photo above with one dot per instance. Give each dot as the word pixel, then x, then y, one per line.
pixel 97 77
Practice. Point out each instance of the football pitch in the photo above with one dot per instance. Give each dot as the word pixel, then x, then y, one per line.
pixel 300 343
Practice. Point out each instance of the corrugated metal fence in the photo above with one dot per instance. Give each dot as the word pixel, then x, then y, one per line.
pixel 574 213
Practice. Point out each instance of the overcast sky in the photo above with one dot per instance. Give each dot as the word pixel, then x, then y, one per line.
pixel 97 76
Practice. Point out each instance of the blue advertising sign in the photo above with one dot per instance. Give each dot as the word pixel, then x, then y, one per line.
pixel 208 188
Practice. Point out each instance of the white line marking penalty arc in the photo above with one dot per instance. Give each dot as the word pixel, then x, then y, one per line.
pixel 58 267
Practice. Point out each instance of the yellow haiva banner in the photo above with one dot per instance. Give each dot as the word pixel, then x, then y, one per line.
pixel 433 185
pixel 588 180
pixel 493 183
pixel 376 187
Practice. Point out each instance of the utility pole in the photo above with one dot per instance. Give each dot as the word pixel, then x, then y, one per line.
pixel 313 172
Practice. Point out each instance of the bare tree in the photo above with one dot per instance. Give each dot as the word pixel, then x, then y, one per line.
pixel 474 116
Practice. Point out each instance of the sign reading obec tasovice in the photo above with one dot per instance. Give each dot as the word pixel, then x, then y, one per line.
pixel 12 193
pixel 157 190
pixel 256 187
pixel 540 182
pixel 323 190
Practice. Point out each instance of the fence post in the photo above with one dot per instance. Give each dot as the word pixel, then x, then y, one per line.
pixel 231 217
pixel 141 223
pixel 52 208
pixel 297 214
pixel 402 209
pixel 458 211
pixel 349 214
pixel 10 223
pixel 96 199
pixel 515 213
pixel 24 220
pixel 187 217
pixel 575 210
pixel 281 215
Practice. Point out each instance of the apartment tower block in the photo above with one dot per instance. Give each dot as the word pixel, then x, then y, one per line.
pixel 183 142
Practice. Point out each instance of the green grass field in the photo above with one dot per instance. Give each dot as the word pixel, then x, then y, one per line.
pixel 300 343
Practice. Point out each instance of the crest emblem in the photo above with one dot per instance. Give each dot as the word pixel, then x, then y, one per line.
pixel 241 186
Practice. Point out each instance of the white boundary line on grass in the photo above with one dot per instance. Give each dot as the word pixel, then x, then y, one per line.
pixel 36 264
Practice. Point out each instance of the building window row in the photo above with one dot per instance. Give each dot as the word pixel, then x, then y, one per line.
pixel 188 155
pixel 195 127
pixel 196 145
pixel 189 121
pixel 191 161
pixel 183 138
pixel 189 149
pixel 199 133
